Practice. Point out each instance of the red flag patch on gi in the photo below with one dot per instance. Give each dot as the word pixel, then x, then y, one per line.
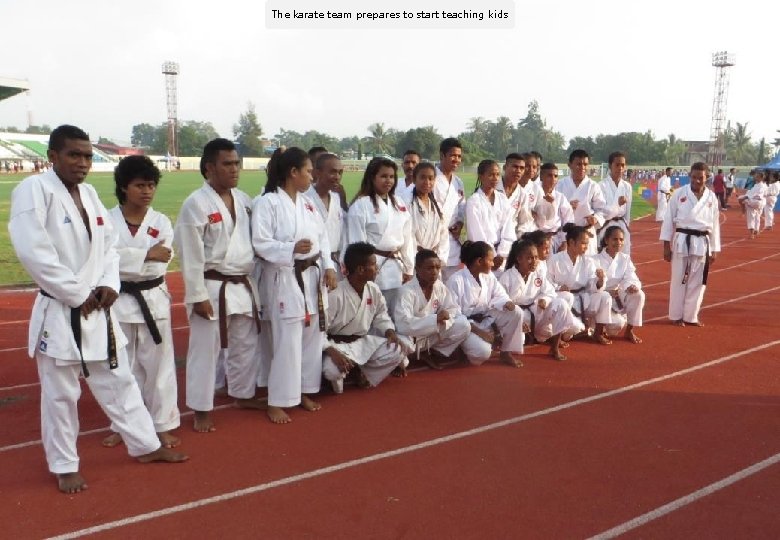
pixel 216 217
pixel 516 205
pixel 683 199
pixel 402 208
pixel 369 302
pixel 436 305
pixel 309 207
pixel 538 282
pixel 460 192
pixel 281 307
pixel 151 231
pixel 99 220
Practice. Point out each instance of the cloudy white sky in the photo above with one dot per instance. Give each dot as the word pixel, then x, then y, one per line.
pixel 595 67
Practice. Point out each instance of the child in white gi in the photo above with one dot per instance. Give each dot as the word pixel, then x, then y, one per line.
pixel 753 203
pixel 617 196
pixel 428 225
pixel 772 191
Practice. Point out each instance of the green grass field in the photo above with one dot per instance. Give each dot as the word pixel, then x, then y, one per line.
pixel 174 188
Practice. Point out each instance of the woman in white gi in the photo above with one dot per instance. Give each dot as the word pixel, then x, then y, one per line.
pixel 691 237
pixel 573 271
pixel 547 315
pixel 484 302
pixel 289 236
pixel 753 203
pixel 772 191
pixel 428 225
pixel 617 196
pixel 489 218
pixel 426 311
pixel 552 210
pixel 379 218
pixel 143 309
pixel 628 298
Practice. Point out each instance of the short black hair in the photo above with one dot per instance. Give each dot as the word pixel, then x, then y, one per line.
pixel 578 153
pixel 314 150
pixel 614 155
pixel 212 150
pixel 548 166
pixel 357 254
pixel 423 255
pixel 448 144
pixel 322 158
pixel 130 168
pixel 64 132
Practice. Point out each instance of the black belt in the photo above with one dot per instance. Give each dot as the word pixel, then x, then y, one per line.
pixel 300 266
pixel 581 314
pixel 343 338
pixel 533 317
pixel 134 288
pixel 477 317
pixel 696 232
pixel 75 327
pixel 241 279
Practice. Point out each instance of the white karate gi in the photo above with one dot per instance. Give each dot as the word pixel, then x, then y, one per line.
pixel 403 191
pixel 589 301
pixel 620 275
pixel 550 217
pixel 556 318
pixel 688 212
pixel 53 245
pixel 152 364
pixel 366 316
pixel 278 223
pixel 755 202
pixel 486 297
pixel 491 222
pixel 334 217
pixel 522 200
pixel 452 202
pixel 416 317
pixel 590 201
pixel 430 230
pixel 772 191
pixel 387 228
pixel 663 192
pixel 206 238
pixel 614 213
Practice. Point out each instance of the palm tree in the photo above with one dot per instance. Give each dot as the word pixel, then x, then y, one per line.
pixel 379 138
pixel 741 144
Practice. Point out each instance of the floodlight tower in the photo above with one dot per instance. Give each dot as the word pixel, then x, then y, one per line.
pixel 171 70
pixel 721 61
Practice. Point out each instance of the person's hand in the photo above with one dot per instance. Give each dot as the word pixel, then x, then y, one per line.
pixel 331 281
pixel 590 220
pixel 498 260
pixel 392 339
pixel 89 305
pixel 203 309
pixel 106 296
pixel 667 252
pixel 488 335
pixel 549 197
pixel 455 230
pixel 342 363
pixel 713 256
pixel 574 204
pixel 159 252
pixel 621 200
pixel 302 246
pixel 542 303
pixel 600 273
pixel 563 288
pixel 442 316
pixel 509 306
pixel 406 278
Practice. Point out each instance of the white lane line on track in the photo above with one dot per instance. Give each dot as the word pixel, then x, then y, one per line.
pixel 688 499
pixel 716 304
pixel 399 451
pixel 717 270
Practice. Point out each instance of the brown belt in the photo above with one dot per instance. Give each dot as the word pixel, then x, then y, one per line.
pixel 301 265
pixel 242 279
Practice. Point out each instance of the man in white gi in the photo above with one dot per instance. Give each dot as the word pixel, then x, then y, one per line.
pixel 584 196
pixel 618 196
pixel 449 195
pixel 426 311
pixel 361 335
pixel 63 237
pixel 552 210
pixel 517 194
pixel 328 171
pixel 213 239
pixel 691 237
pixel 663 193
pixel 405 185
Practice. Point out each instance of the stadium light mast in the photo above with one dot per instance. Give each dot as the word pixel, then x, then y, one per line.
pixel 721 61
pixel 171 70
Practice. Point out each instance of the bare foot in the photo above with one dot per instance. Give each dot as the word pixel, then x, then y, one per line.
pixel 632 337
pixel 309 404
pixel 362 382
pixel 168 440
pixel 564 344
pixel 277 415
pixel 163 454
pixel 222 391
pixel 601 339
pixel 203 423
pixel 401 372
pixel 697 323
pixel 678 323
pixel 252 403
pixel 112 440
pixel 431 361
pixel 509 359
pixel 557 355
pixel 71 482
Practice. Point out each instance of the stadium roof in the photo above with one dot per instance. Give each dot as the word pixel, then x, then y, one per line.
pixel 11 87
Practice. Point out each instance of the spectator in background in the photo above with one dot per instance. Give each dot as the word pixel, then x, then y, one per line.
pixel 730 182
pixel 719 188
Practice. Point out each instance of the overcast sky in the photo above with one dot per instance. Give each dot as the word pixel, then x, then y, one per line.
pixel 594 67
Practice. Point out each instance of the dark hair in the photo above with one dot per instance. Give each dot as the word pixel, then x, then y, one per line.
pixel 418 168
pixel 130 168
pixel 669 169
pixel 212 150
pixel 607 235
pixel 357 254
pixel 537 237
pixel 448 144
pixel 471 251
pixel 700 166
pixel 484 165
pixel 280 165
pixel 322 158
pixel 518 248
pixel 423 255
pixel 574 232
pixel 614 155
pixel 64 132
pixel 411 152
pixel 367 188
pixel 314 150
pixel 579 153
pixel 537 155
pixel 514 156
pixel 548 166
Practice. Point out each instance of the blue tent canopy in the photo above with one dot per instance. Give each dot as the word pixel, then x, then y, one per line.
pixel 773 165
